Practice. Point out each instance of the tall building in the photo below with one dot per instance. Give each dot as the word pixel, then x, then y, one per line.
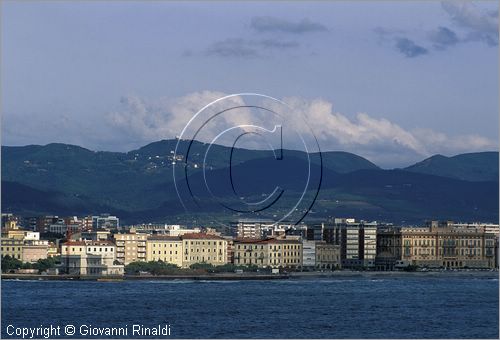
pixel 388 248
pixel 358 242
pixel 308 254
pixel 130 247
pixel 43 222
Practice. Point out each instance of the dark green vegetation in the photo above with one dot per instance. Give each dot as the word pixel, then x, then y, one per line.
pixel 137 185
pixel 163 268
pixel 10 263
pixel 480 166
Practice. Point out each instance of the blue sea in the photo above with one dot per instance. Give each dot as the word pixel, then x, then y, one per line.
pixel 442 306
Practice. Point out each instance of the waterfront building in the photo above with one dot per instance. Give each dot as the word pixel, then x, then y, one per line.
pixel 34 251
pixel 12 247
pixel 130 247
pixel 203 248
pixel 308 254
pixel 164 248
pixel 25 250
pixel 327 256
pixel 388 248
pixel 230 248
pixel 90 258
pixel 437 244
pixel 448 245
pixel 358 242
pixel 270 252
pixel 291 252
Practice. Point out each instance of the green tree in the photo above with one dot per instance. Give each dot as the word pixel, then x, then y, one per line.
pixel 10 263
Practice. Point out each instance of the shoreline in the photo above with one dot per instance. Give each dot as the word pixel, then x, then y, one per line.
pixel 255 276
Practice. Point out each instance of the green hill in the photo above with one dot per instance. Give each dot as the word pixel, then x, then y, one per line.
pixel 479 166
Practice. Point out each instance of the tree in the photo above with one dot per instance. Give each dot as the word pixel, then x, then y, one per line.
pixel 10 263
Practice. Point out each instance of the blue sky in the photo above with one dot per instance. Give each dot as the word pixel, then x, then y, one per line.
pixel 391 81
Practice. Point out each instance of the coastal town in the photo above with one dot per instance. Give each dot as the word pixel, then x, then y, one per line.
pixel 99 246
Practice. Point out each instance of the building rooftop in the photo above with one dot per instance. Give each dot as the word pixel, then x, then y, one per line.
pixel 89 243
pixel 164 238
pixel 201 236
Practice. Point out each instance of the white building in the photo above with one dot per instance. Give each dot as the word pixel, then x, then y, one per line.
pixel 105 221
pixel 309 254
pixel 90 258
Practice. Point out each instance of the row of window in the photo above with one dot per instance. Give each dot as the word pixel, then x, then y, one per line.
pixel 164 245
pixel 203 243
pixel 197 258
pixel 13 248
pixel 100 249
pixel 159 252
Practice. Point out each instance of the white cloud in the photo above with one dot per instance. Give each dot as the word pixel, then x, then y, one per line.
pixel 380 140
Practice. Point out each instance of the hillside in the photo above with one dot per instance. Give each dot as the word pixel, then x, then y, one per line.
pixel 137 185
pixel 479 166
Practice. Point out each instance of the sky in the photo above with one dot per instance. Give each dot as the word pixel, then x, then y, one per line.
pixel 395 82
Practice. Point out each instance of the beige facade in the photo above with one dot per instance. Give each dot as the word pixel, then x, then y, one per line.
pixel 25 250
pixel 203 248
pixel 269 252
pixel 164 248
pixel 327 256
pixel 53 250
pixel 130 247
pixel 90 258
pixel 19 234
pixel 448 246
pixel 34 252
pixel 12 248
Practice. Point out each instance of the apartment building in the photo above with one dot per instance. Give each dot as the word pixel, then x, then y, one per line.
pixel 32 251
pixel 13 248
pixel 90 258
pixel 164 248
pixel 358 242
pixel 437 244
pixel 130 247
pixel 23 245
pixel 327 256
pixel 389 248
pixel 270 252
pixel 253 228
pixel 203 248
pixel 309 254
pixel 105 221
pixel 448 245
